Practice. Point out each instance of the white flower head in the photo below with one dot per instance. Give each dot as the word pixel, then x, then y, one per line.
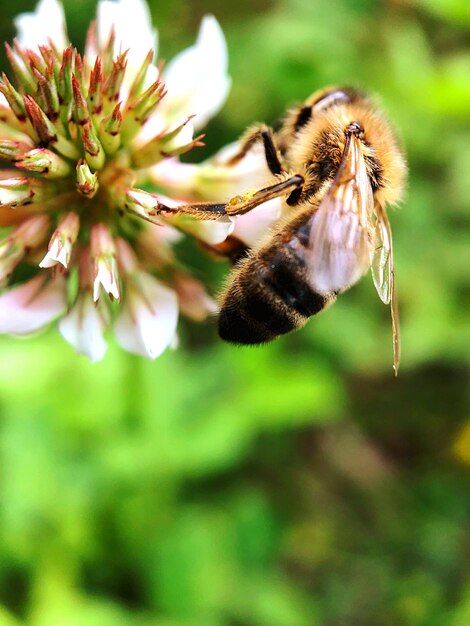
pixel 83 133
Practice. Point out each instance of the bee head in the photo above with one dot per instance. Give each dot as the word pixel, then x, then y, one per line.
pixel 320 141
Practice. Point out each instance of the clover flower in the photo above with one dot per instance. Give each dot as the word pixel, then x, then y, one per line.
pixel 81 136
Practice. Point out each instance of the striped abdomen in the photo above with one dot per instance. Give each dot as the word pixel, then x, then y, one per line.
pixel 269 294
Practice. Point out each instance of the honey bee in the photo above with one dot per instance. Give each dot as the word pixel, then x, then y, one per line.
pixel 337 165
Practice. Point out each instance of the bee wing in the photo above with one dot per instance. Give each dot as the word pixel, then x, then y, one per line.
pixel 383 274
pixel 382 260
pixel 341 237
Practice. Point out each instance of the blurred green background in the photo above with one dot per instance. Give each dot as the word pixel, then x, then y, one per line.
pixel 299 484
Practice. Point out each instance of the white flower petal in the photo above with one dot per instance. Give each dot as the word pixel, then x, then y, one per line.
pixel 184 137
pixel 105 269
pixel 214 179
pixel 32 305
pixel 106 277
pixel 147 323
pixel 83 328
pixel 197 79
pixel 209 231
pixel 61 242
pixel 157 124
pixel 57 255
pixel 132 24
pixel 252 226
pixel 46 22
pixel 251 172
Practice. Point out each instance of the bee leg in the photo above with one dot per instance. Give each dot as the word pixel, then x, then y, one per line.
pixel 248 201
pixel 271 151
pixel 232 249
pixel 237 205
pixel 199 210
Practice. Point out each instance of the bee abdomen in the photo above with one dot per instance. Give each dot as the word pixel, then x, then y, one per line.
pixel 268 297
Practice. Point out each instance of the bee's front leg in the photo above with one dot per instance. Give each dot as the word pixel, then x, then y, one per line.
pixel 271 152
pixel 237 205
pixel 198 210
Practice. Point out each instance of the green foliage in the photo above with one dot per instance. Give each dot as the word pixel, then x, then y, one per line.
pixel 295 484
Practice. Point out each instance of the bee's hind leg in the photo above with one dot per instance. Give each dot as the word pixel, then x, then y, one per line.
pixel 254 135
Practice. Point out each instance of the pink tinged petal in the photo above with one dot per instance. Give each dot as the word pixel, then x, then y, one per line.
pixel 193 299
pixel 132 24
pixel 32 305
pixel 252 226
pixel 174 174
pixel 32 231
pixel 61 243
pixel 197 79
pixel 103 254
pixel 147 323
pixel 46 23
pixel 83 327
pixel 127 259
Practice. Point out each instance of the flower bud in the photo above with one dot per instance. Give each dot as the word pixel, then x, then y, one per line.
pixel 141 203
pixel 109 132
pixel 87 181
pixel 45 162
